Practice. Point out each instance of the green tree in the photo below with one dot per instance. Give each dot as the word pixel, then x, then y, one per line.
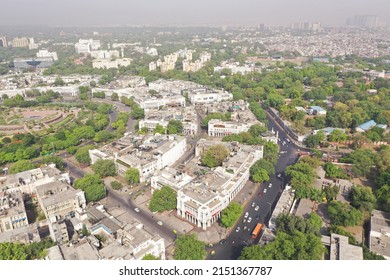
pixel 82 155
pixel 104 168
pixel 231 214
pixel 59 82
pixel 294 246
pixel 84 132
pixel 103 136
pixel 214 156
pixel 163 200
pixel 331 192
pixel 116 185
pixel 132 175
pixel 258 174
pixel 342 214
pixel 332 171
pixel 256 129
pixel 21 165
pixel 363 198
pixel 150 257
pixel 114 96
pixel 337 135
pixel 159 129
pixel 93 187
pixel 175 127
pixel 313 141
pixel 58 161
pixel 383 197
pixel 188 247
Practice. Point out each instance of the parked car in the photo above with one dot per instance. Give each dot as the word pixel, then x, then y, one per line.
pixel 136 210
pixel 159 223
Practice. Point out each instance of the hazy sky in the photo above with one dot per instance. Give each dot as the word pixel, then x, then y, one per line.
pixel 186 12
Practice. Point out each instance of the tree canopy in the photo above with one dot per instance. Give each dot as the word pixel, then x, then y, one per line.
pixel 188 247
pixel 294 246
pixel 231 214
pixel 132 175
pixel 93 187
pixel 104 168
pixel 163 200
pixel 342 214
pixel 21 165
pixel 214 156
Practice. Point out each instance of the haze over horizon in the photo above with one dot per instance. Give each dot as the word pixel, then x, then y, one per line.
pixel 187 12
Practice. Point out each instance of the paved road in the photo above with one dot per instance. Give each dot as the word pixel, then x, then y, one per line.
pixel 266 201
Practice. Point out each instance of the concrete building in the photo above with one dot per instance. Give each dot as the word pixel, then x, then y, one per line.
pixel 28 181
pixel 46 53
pixel 12 211
pixel 20 42
pixel 86 46
pixel 3 42
pixel 59 200
pixel 152 66
pixel 133 242
pixel 154 154
pixel 218 128
pixel 148 154
pixel 340 249
pixel 163 99
pixel 41 62
pixel 105 63
pixel 203 198
pixel 204 96
pixel 105 54
pixel 285 204
pixel 380 233
pixel 26 234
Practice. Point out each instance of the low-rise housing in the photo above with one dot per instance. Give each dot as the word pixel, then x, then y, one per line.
pixel 218 128
pixel 380 233
pixel 59 200
pixel 12 211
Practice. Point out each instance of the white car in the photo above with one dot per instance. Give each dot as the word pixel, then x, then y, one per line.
pixel 257 208
pixel 136 210
pixel 238 229
pixel 246 215
pixel 270 185
pixel 253 204
pixel 159 223
pixel 249 219
pixel 265 190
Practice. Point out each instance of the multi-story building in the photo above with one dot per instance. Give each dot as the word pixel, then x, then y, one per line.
pixel 187 116
pixel 46 53
pixel 203 96
pixel 108 54
pixel 154 154
pixel 12 211
pixel 58 200
pixel 3 42
pixel 20 42
pixel 86 46
pixel 24 63
pixel 218 128
pixel 28 181
pixel 162 100
pixel 202 200
pixel 133 242
pixel 152 66
pixel 379 241
pixel 108 63
pixel 148 154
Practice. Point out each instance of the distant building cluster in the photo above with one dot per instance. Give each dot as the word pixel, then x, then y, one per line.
pixel 170 60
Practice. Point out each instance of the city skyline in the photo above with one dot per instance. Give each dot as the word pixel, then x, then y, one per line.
pixel 175 12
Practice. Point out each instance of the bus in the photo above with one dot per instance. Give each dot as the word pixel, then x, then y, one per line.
pixel 256 231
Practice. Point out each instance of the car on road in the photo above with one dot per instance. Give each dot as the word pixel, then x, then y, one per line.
pixel 222 241
pixel 238 229
pixel 253 204
pixel 246 215
pixel 136 210
pixel 270 185
pixel 257 208
pixel 159 223
pixel 265 191
pixel 249 219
